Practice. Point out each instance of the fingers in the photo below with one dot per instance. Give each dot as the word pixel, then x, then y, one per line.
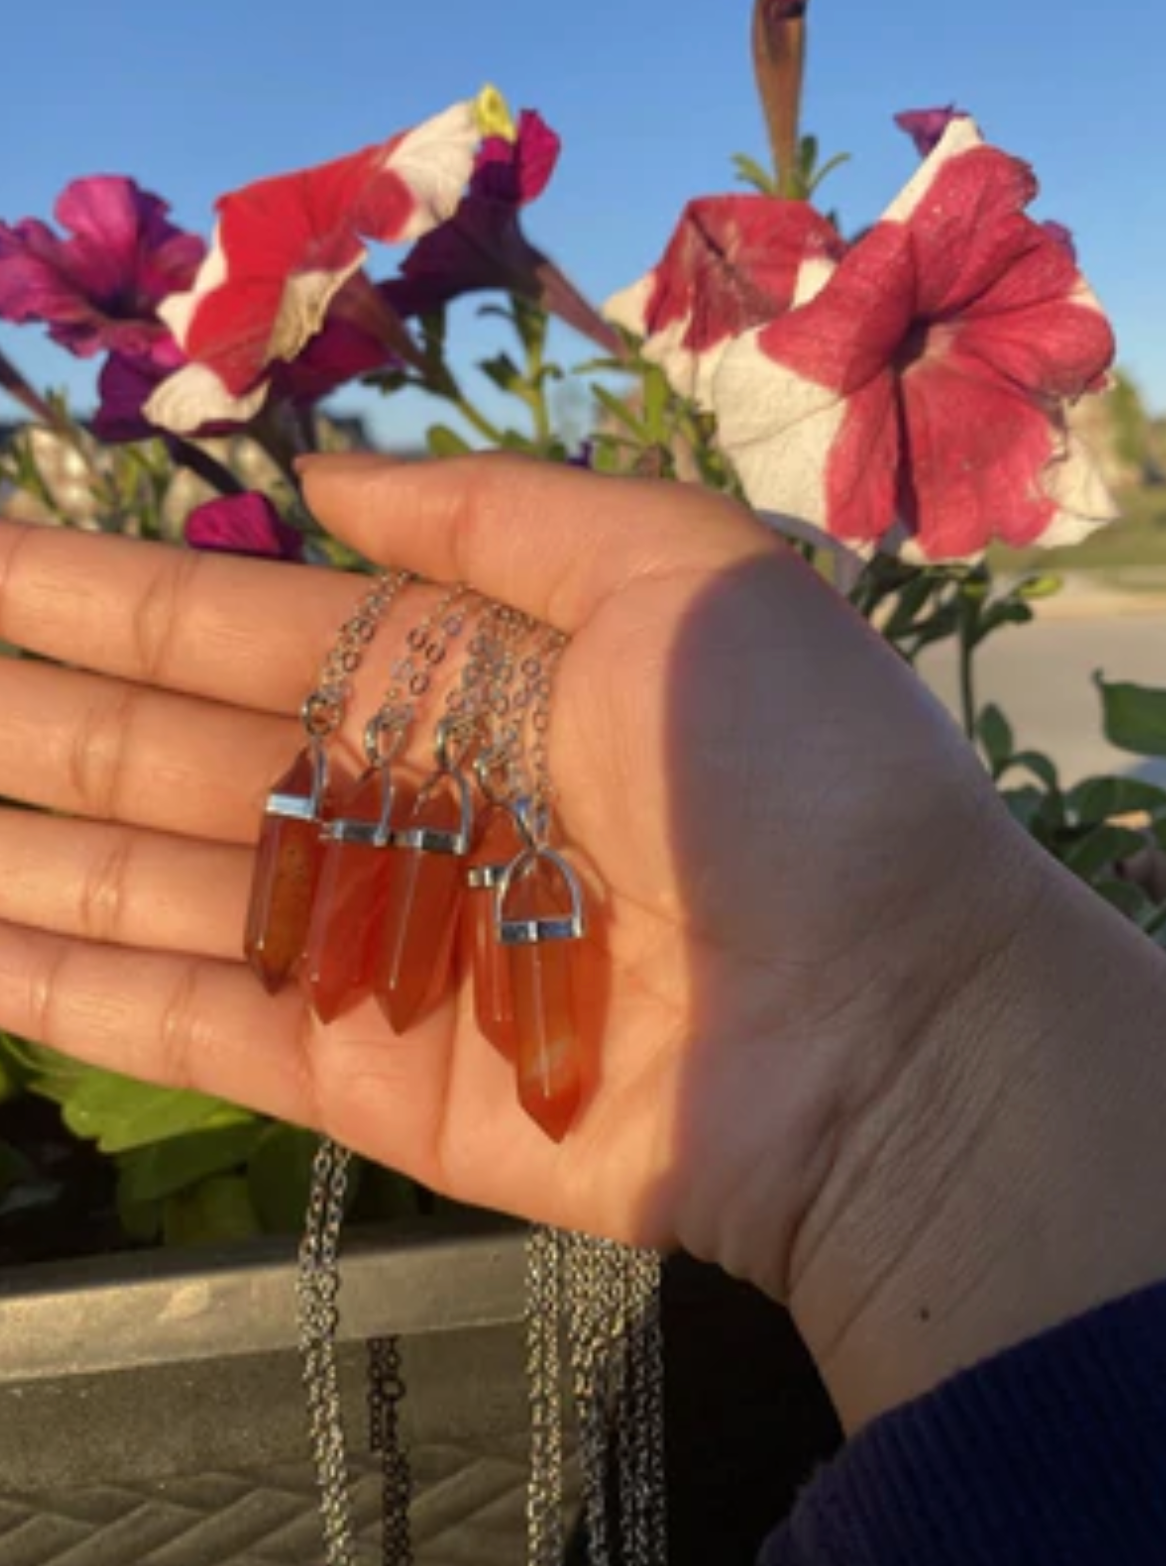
pixel 114 885
pixel 97 747
pixel 247 631
pixel 547 539
pixel 181 1021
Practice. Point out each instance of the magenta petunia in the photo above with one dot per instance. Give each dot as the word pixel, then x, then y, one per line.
pixel 734 262
pixel 243 525
pixel 284 249
pixel 927 127
pixel 919 399
pixel 99 287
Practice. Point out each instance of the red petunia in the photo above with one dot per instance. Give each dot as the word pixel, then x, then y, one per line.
pixel 919 400
pixel 734 262
pixel 284 249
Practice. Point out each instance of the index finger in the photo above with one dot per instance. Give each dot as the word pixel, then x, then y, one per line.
pixel 546 538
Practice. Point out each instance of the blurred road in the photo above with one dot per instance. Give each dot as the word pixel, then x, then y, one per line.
pixel 1041 675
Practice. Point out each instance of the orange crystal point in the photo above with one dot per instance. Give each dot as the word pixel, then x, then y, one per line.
pixel 549 1057
pixel 346 910
pixel 497 846
pixel 411 961
pixel 284 880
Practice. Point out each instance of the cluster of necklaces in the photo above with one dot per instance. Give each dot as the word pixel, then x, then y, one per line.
pixel 389 888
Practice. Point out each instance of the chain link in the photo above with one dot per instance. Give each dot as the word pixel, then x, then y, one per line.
pixel 386 1392
pixel 317 1291
pixel 544 1506
pixel 323 711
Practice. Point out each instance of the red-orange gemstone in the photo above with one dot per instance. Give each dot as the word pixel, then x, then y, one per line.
pixel 481 951
pixel 283 883
pixel 542 983
pixel 346 910
pixel 411 962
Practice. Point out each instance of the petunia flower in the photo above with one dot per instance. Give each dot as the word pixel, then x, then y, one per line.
pixel 98 288
pixel 283 250
pixel 926 127
pixel 483 247
pixel 734 262
pixel 243 525
pixel 919 399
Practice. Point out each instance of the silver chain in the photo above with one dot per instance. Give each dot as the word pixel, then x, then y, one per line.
pixel 317 1291
pixel 604 1299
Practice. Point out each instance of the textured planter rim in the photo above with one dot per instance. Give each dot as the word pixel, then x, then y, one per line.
pixel 137 1309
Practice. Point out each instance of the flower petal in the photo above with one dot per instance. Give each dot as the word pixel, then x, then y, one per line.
pixel 286 246
pixel 99 288
pixel 243 525
pixel 733 263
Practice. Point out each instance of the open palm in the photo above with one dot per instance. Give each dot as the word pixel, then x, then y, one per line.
pixel 760 796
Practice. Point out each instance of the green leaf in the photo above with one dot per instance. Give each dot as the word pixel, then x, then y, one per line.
pixel 444 442
pixel 385 1194
pixel 140 1221
pixel 996 737
pixel 147 1174
pixel 913 599
pixel 504 373
pixel 1134 717
pixel 216 1211
pixel 1041 767
pixel 1011 611
pixel 657 394
pixel 118 1113
pixel 279 1178
pixel 1024 805
pixel 824 173
pixel 750 172
pixel 1125 897
pixel 1099 799
pixel 1034 588
pixel 1102 848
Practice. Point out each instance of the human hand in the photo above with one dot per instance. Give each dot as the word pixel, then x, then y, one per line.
pixel 771 809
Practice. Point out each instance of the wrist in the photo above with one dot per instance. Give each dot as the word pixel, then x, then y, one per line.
pixel 1006 1179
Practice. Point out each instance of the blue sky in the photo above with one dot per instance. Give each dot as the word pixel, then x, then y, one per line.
pixel 651 98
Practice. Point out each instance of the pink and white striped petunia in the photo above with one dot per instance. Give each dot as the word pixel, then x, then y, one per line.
pixel 918 401
pixel 283 250
pixel 734 262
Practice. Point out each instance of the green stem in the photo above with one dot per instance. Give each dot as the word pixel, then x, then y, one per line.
pixel 208 468
pixel 478 420
pixel 968 639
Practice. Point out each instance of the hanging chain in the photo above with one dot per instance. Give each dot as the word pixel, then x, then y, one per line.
pixel 386 1392
pixel 604 1297
pixel 544 1502
pixel 317 1288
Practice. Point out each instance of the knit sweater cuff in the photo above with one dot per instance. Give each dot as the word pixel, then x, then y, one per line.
pixel 1052 1451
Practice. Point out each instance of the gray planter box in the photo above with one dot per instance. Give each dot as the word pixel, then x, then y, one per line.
pixel 151 1410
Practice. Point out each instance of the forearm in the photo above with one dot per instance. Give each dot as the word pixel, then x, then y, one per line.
pixel 1012 1177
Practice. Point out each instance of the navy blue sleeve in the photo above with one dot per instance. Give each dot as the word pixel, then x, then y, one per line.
pixel 1052 1452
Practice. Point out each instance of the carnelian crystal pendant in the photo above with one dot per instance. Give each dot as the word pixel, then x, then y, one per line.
pixel 415 942
pixel 350 897
pixel 548 1055
pixel 285 875
pixel 481 951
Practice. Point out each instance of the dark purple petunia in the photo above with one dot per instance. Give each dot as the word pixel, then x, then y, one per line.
pixel 482 247
pixel 99 287
pixel 243 525
pixel 123 388
pixel 927 126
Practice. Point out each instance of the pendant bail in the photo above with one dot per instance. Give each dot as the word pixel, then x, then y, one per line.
pixel 533 932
